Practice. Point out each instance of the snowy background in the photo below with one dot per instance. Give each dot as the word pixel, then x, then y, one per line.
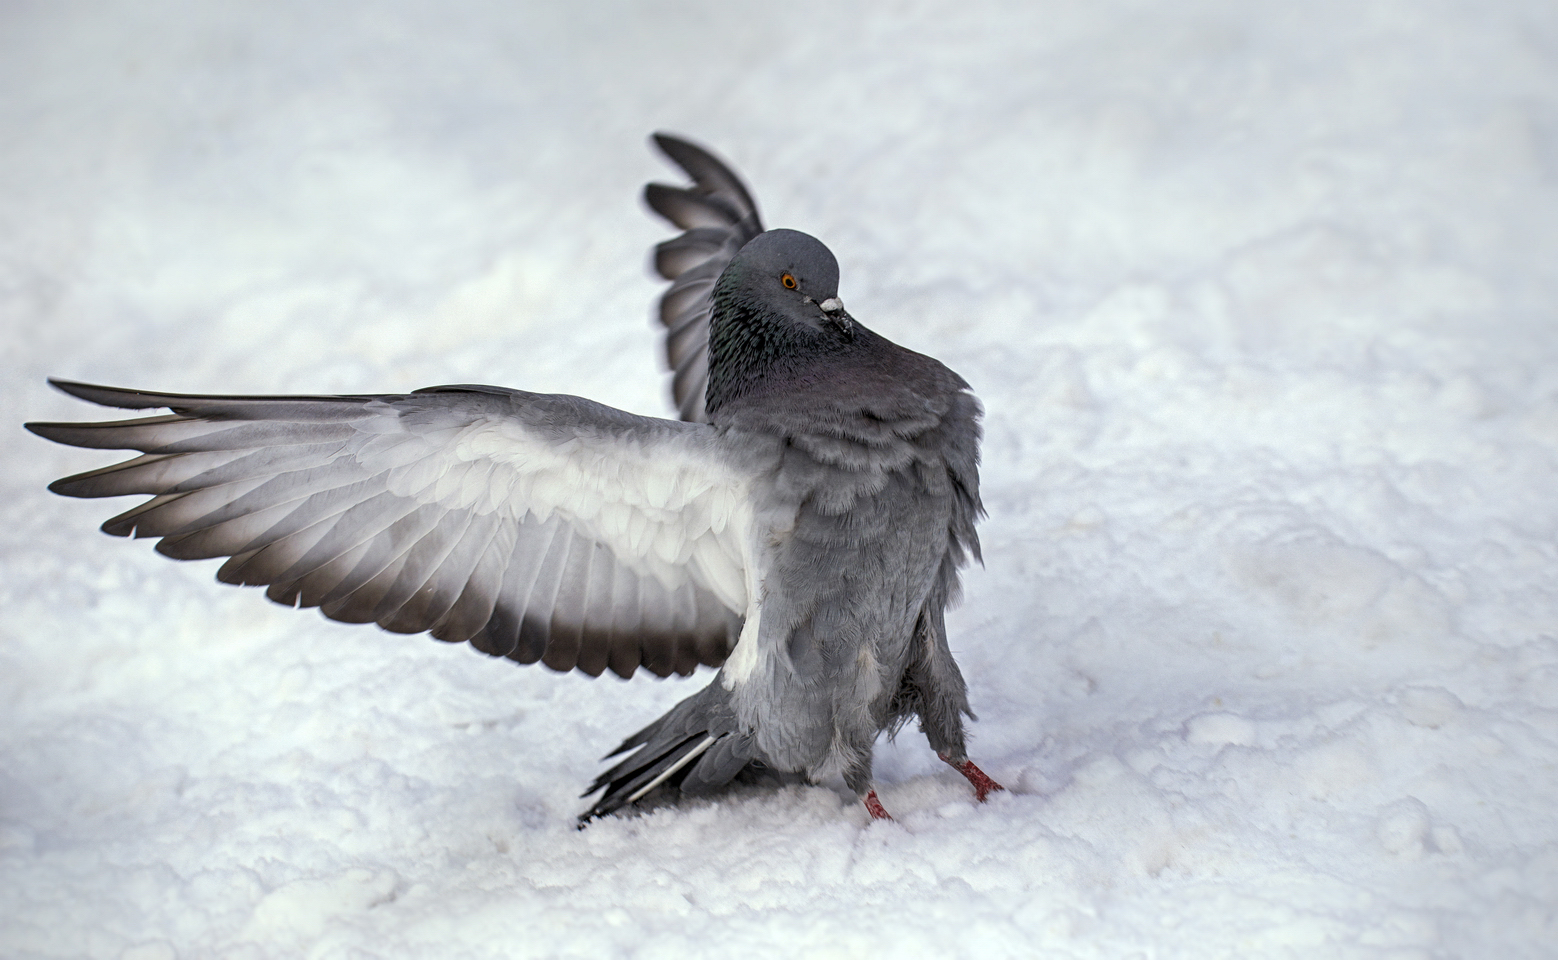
pixel 1262 301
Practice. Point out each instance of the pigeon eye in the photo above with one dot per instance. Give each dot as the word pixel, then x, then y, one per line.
pixel 788 281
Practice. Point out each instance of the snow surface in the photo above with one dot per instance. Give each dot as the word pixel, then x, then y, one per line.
pixel 1260 299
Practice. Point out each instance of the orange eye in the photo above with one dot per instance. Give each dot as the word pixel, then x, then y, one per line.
pixel 788 281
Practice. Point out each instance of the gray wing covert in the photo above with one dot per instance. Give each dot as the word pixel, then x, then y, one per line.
pixel 536 527
pixel 719 217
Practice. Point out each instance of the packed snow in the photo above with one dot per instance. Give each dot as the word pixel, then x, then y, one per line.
pixel 1260 301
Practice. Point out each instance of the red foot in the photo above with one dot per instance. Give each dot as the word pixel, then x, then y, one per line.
pixel 875 808
pixel 983 785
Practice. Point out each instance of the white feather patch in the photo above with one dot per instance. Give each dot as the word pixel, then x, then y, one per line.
pixel 744 658
pixel 662 505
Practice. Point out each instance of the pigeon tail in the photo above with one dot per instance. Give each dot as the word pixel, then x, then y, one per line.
pixel 693 750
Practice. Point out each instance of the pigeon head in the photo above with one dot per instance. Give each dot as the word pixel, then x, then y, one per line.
pixel 776 306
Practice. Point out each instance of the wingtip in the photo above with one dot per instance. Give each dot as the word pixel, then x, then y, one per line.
pixel 54 432
pixel 74 388
pixel 689 155
pixel 684 150
pixel 665 141
pixel 106 396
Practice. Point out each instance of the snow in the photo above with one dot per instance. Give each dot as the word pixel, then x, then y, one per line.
pixel 1260 302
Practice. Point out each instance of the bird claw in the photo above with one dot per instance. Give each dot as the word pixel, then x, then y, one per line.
pixel 983 785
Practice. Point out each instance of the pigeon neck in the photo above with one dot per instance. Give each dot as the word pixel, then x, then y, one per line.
pixel 748 344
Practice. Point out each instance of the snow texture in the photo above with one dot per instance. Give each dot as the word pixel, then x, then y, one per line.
pixel 1260 299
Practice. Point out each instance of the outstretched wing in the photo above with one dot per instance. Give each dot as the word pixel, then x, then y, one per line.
pixel 537 527
pixel 719 217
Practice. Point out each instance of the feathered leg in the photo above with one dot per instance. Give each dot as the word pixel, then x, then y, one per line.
pixel 933 687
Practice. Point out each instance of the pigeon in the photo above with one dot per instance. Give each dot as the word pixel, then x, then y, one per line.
pixel 800 528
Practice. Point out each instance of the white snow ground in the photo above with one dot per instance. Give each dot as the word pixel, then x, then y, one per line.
pixel 1260 299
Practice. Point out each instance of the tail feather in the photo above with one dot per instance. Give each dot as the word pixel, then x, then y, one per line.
pixel 725 760
pixel 667 770
pixel 693 749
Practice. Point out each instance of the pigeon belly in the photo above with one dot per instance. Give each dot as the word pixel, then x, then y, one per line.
pixel 841 594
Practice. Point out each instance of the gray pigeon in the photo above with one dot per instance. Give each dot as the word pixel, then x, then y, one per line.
pixel 801 529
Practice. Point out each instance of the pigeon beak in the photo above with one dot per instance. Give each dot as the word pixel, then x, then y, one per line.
pixel 833 308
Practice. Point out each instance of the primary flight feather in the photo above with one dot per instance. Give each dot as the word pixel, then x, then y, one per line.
pixel 801 527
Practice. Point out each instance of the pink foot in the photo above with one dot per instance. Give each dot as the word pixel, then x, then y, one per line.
pixel 983 785
pixel 875 808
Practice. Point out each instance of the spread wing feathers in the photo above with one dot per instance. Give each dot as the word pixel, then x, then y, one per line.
pixel 537 527
pixel 719 217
